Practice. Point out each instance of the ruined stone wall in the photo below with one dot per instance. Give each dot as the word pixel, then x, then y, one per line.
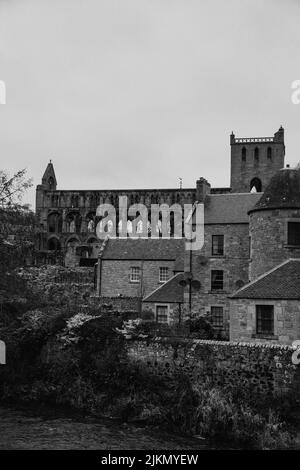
pixel 269 239
pixel 262 370
pixel 84 204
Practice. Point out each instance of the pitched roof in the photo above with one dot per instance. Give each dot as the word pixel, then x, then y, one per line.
pixel 49 172
pixel 144 249
pixel 170 292
pixel 282 282
pixel 283 191
pixel 229 208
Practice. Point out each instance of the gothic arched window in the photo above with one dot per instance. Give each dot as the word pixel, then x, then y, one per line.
pixel 54 222
pixel 53 244
pixel 255 185
pixel 51 183
pixel 256 154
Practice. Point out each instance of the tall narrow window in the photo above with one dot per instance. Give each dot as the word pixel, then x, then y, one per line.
pixel 217 280
pixel 135 274
pixel 217 317
pixel 162 314
pixel 265 319
pixel 244 154
pixel 294 233
pixel 218 245
pixel 256 154
pixel 269 153
pixel 163 274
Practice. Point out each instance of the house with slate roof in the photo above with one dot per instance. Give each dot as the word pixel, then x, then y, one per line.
pixel 133 268
pixel 268 308
pixel 166 302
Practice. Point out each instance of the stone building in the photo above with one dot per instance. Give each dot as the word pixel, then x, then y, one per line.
pixel 166 303
pixel 246 233
pixel 269 307
pixel 245 238
pixel 132 268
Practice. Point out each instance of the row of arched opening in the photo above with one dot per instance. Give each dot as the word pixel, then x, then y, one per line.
pixel 256 153
pixel 54 244
pixel 73 223
pixel 94 200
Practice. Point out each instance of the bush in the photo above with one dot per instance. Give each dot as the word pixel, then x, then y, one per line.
pixel 213 414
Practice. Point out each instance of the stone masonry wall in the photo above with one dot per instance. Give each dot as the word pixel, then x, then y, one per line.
pixel 121 304
pixel 115 277
pixel 286 320
pixel 269 240
pixel 234 263
pixel 260 370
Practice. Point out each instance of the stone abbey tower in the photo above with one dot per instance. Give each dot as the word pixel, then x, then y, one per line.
pixel 255 160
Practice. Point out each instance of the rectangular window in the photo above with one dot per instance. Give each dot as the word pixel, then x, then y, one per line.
pixel 265 319
pixel 135 274
pixel 217 317
pixel 218 245
pixel 217 280
pixel 294 233
pixel 162 314
pixel 163 274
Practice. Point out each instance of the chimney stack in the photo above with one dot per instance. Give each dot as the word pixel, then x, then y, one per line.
pixel 203 189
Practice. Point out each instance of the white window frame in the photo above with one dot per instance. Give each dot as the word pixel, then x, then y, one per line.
pixel 161 278
pixel 135 274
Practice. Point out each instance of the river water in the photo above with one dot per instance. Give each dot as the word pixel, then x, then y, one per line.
pixel 33 428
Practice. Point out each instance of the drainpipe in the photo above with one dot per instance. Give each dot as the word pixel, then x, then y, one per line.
pixel 99 266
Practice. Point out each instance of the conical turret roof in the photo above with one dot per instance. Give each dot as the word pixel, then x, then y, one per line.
pixel 283 191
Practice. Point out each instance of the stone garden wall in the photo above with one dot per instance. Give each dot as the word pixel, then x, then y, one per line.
pixel 261 369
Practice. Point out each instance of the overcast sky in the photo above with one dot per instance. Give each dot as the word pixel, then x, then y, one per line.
pixel 137 93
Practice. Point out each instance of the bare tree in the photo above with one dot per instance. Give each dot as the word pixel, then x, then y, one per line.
pixel 13 187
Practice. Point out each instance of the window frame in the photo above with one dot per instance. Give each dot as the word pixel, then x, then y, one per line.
pixel 214 289
pixel 160 277
pixel 217 325
pixel 260 331
pixel 292 221
pixel 212 245
pixel 164 306
pixel 135 279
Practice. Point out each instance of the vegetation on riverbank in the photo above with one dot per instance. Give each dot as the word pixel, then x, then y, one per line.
pixel 60 356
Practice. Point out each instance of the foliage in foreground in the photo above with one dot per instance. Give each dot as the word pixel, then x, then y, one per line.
pixel 76 359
